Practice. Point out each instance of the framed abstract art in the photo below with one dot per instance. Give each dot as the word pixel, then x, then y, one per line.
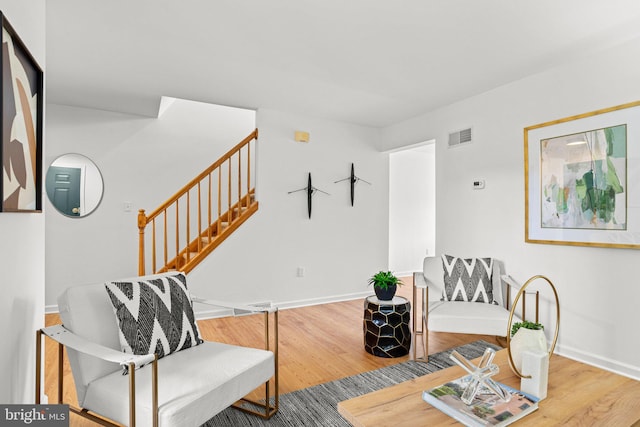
pixel 22 120
pixel 582 179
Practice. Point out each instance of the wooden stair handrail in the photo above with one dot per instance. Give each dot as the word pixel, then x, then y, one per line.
pixel 195 250
pixel 225 157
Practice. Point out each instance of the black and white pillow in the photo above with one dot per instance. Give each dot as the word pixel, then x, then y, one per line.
pixel 155 315
pixel 467 279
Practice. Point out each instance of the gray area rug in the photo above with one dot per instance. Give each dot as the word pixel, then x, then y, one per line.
pixel 318 405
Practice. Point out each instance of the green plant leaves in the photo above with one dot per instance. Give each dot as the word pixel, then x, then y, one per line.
pixel 526 324
pixel 384 279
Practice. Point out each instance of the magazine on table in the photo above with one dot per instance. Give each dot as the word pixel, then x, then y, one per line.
pixel 486 409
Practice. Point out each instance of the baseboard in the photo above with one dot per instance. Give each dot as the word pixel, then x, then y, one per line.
pixel 212 314
pixel 611 365
pixel 323 300
pixel 50 309
pixel 403 274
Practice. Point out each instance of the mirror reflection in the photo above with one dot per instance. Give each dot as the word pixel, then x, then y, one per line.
pixel 74 185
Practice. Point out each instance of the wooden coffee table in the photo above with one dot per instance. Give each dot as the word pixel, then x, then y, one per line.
pixel 578 394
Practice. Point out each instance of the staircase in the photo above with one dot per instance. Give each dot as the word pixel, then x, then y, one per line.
pixel 180 233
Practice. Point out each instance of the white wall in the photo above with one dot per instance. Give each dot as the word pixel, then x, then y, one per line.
pixel 598 287
pixel 22 249
pixel 412 208
pixel 142 161
pixel 140 158
pixel 339 247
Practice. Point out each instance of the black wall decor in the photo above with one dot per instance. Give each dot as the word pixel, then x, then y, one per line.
pixel 353 179
pixel 311 190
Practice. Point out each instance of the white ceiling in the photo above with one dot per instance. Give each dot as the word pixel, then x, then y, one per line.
pixel 370 62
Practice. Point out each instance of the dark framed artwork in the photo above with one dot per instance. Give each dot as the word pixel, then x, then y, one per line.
pixel 21 113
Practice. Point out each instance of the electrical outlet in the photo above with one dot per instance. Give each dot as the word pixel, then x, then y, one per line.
pixel 300 272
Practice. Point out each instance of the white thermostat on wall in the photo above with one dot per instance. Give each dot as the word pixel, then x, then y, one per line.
pixel 478 184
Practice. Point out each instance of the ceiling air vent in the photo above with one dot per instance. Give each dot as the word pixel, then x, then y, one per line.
pixel 460 137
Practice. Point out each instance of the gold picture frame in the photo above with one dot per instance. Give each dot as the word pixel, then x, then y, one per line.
pixel 582 179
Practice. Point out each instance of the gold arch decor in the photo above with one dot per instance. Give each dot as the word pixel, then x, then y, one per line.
pixel 512 311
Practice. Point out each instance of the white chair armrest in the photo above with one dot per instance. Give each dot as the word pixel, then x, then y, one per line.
pixel 430 284
pixel 511 281
pixel 67 338
pixel 237 308
pixel 419 281
pixel 422 282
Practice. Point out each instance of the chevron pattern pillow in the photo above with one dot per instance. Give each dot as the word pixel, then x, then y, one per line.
pixel 467 279
pixel 154 315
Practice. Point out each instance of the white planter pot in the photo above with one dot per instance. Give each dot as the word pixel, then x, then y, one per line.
pixel 527 340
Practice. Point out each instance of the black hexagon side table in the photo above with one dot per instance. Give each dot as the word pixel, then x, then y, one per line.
pixel 386 326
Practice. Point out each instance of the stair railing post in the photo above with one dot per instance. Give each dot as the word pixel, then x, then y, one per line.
pixel 248 174
pixel 239 180
pixel 229 186
pixel 142 223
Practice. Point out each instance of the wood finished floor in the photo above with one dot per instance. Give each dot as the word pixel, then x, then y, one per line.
pixel 317 344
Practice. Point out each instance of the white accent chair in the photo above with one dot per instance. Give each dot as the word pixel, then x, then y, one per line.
pixel 432 314
pixel 185 388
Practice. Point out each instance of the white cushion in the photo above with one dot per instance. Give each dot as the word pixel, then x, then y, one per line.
pixel 468 318
pixel 91 318
pixel 434 276
pixel 210 377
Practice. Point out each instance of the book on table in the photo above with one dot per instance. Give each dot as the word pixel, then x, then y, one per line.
pixel 486 409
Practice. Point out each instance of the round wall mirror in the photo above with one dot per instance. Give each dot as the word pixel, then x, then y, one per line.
pixel 74 185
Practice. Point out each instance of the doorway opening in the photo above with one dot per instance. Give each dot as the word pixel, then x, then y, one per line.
pixel 412 207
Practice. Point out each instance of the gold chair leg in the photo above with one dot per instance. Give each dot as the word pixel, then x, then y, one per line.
pixel 415 322
pixel 425 331
pixel 268 410
pixel 132 395
pixel 277 364
pixel 38 364
pixel 81 412
pixel 420 327
pixel 154 387
pixel 60 372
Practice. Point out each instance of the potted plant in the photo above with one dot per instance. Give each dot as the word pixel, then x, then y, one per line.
pixel 526 336
pixel 527 325
pixel 385 285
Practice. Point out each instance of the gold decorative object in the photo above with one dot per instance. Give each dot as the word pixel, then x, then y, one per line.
pixel 512 311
